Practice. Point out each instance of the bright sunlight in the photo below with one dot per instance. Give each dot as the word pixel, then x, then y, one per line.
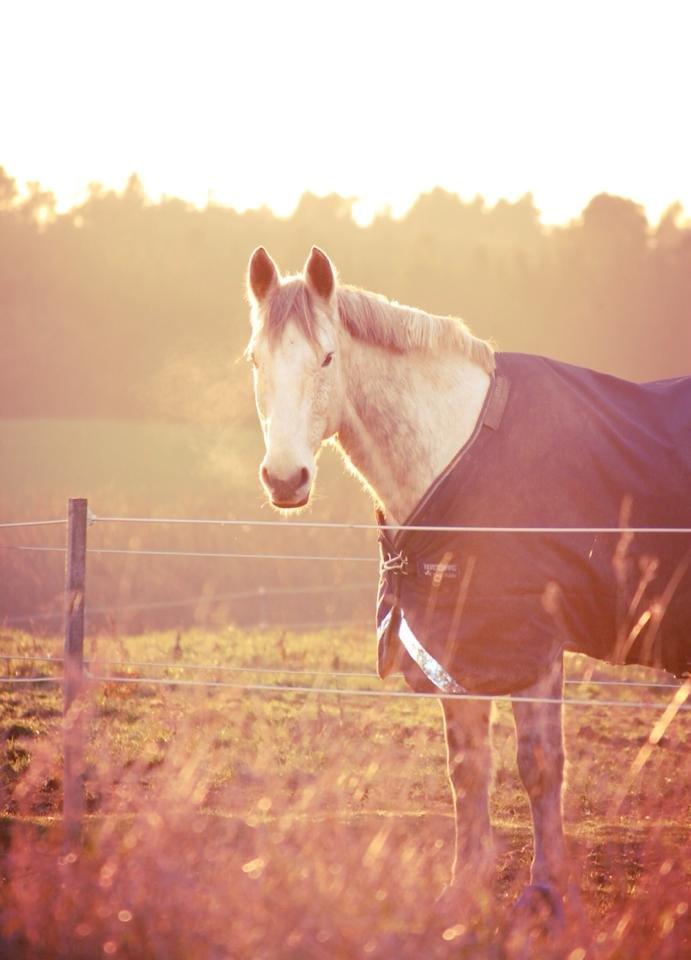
pixel 251 105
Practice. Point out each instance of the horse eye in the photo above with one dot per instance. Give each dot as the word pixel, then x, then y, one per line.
pixel 327 359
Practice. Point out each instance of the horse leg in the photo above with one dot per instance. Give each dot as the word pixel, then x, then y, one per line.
pixel 540 755
pixel 552 902
pixel 469 771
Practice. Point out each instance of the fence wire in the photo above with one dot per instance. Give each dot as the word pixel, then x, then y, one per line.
pixel 277 688
pixel 281 688
pixel 193 553
pixel 30 680
pixel 335 525
pixel 257 594
pixel 272 688
pixel 396 694
pixel 5 524
pixel 320 524
pixel 291 671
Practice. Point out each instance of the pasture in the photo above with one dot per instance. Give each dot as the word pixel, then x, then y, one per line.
pixel 238 823
pixel 154 469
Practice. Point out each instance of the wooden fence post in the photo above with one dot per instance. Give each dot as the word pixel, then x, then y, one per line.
pixel 73 676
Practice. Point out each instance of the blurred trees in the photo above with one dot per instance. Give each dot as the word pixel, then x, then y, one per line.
pixel 124 308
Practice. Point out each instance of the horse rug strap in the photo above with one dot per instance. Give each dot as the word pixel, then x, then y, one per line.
pixel 433 670
pixel 555 446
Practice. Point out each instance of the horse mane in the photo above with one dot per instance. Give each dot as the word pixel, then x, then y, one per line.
pixel 372 318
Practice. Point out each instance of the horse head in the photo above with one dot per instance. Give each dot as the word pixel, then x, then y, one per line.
pixel 294 350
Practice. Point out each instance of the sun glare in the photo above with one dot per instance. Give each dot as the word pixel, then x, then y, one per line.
pixel 252 106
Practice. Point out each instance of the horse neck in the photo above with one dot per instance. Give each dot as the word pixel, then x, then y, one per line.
pixel 405 417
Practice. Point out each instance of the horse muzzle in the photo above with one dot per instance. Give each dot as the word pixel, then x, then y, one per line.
pixel 289 493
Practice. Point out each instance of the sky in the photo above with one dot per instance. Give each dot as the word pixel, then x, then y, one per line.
pixel 253 103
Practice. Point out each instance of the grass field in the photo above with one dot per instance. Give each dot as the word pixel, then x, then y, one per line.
pixel 162 469
pixel 229 823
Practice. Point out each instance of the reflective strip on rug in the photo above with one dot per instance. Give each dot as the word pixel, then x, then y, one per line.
pixel 425 661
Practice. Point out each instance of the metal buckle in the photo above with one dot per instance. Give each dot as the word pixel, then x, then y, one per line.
pixel 395 563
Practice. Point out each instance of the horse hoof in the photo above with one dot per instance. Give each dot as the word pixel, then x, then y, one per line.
pixel 540 904
pixel 543 926
pixel 535 925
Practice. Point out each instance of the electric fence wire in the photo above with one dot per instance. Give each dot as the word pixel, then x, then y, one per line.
pixel 291 671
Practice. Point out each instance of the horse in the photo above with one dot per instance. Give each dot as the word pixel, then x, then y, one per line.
pixel 411 400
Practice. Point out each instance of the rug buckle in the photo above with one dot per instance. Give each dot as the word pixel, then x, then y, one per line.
pixel 395 563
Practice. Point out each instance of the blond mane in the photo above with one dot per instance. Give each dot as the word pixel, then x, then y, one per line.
pixel 371 318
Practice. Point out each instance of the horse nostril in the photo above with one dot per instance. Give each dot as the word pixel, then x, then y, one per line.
pixel 284 489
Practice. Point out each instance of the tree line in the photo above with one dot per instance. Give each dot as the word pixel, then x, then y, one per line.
pixel 122 309
pixel 126 308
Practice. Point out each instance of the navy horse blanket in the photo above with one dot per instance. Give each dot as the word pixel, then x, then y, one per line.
pixel 561 447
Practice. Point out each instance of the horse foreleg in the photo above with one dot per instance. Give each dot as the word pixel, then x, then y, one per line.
pixel 469 770
pixel 540 755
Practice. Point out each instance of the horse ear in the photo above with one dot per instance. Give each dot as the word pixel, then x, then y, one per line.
pixel 262 274
pixel 320 274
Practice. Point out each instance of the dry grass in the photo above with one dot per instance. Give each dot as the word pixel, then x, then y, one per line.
pixel 224 824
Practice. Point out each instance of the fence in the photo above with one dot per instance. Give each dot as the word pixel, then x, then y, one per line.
pixel 76 672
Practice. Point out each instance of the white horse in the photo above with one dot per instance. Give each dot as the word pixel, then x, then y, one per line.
pixel 399 392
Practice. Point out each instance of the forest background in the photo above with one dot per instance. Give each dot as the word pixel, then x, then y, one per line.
pixel 121 377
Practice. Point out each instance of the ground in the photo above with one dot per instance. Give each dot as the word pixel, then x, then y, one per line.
pixel 226 822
